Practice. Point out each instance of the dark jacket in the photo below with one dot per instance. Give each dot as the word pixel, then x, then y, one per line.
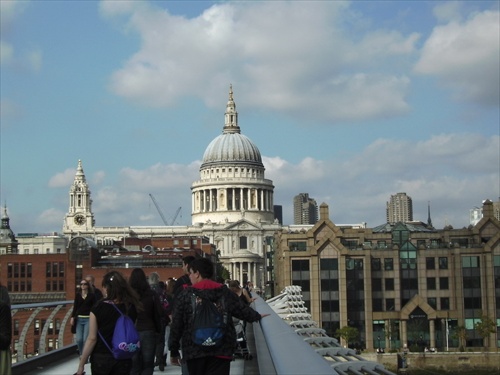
pixel 181 325
pixel 5 326
pixel 180 284
pixel 146 319
pixel 82 306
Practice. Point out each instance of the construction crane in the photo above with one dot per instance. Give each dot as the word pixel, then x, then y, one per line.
pixel 161 213
pixel 159 210
pixel 176 214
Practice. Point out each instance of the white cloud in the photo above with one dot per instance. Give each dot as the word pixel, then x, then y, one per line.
pixel 443 170
pixel 6 52
pixel 9 110
pixel 9 11
pixel 34 60
pixel 50 218
pixel 62 179
pixel 448 11
pixel 453 172
pixel 250 44
pixel 465 56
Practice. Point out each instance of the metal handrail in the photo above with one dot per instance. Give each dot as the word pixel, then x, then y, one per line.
pixel 36 308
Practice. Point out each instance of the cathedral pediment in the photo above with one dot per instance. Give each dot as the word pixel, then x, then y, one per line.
pixel 242 225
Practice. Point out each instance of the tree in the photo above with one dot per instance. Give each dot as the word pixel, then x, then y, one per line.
pixel 348 334
pixel 391 331
pixel 460 333
pixel 485 327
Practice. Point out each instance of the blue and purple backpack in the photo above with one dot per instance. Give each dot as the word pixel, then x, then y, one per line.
pixel 125 342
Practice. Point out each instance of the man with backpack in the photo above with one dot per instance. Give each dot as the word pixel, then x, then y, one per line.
pixel 202 319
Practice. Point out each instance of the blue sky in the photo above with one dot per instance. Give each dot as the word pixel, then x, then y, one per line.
pixel 350 102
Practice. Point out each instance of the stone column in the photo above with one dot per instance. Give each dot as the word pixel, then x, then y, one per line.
pixel 432 333
pixel 404 334
pixel 234 198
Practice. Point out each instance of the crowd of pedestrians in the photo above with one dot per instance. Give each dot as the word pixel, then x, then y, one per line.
pixel 162 312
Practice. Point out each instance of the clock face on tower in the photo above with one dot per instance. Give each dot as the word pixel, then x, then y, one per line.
pixel 79 219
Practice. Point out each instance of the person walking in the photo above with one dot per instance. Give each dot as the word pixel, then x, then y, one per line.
pixel 183 281
pixel 180 284
pixel 84 300
pixel 103 317
pixel 4 294
pixel 169 293
pixel 91 280
pixel 212 360
pixel 147 324
pixel 5 338
pixel 159 288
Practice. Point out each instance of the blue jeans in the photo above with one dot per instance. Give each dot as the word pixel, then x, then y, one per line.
pixel 143 362
pixel 82 332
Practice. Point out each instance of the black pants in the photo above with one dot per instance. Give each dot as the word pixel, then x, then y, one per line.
pixel 160 346
pixel 209 366
pixel 105 364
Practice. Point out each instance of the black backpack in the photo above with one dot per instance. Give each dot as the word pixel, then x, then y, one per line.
pixel 209 321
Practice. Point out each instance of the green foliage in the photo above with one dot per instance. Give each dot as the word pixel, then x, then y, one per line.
pixel 485 327
pixel 349 334
pixel 460 334
pixel 222 272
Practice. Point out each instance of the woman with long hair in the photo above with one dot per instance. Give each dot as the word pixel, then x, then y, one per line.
pixel 147 324
pixel 84 300
pixel 103 317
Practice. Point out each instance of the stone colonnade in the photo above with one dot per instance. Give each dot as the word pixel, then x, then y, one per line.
pixel 244 270
pixel 232 199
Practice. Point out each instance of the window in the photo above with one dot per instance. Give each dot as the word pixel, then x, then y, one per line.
pixel 443 283
pixel 376 264
pixel 353 264
pixel 430 263
pixel 388 264
pixel 381 245
pixel 432 302
pixel 330 264
pixel 350 244
pixel 297 245
pixel 376 284
pixel 330 306
pixel 377 304
pixel 470 262
pixel 389 284
pixel 243 242
pixel 445 303
pixel 390 304
pixel 329 285
pixel 37 327
pixel 472 303
pixel 443 263
pixel 431 283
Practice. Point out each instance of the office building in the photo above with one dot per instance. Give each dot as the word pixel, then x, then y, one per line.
pixel 399 209
pixel 305 209
pixel 398 284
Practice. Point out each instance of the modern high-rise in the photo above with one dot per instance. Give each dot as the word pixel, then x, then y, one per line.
pixel 305 209
pixel 399 209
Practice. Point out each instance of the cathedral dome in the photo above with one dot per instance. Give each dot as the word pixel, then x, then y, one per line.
pixel 231 146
